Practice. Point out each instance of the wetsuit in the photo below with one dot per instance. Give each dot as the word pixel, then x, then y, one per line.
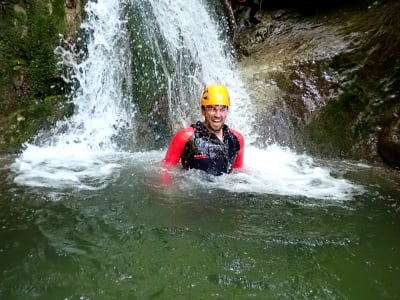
pixel 197 148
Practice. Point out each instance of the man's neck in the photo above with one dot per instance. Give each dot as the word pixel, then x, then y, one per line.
pixel 218 133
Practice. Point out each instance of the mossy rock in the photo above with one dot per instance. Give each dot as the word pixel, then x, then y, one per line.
pixel 29 33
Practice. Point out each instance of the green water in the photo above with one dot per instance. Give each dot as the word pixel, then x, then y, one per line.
pixel 133 240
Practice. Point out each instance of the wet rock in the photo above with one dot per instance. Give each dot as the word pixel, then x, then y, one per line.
pixel 73 17
pixel 20 10
pixel 2 8
pixel 20 85
pixel 389 143
pixel 70 4
pixel 324 83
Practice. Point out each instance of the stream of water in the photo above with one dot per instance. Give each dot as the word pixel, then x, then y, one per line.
pixel 82 219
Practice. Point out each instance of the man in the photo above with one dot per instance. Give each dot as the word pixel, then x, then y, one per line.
pixel 211 145
pixel 254 7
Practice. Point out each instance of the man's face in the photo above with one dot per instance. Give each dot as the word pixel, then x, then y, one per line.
pixel 215 116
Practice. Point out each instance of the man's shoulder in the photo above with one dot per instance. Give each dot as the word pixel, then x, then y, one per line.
pixel 185 132
pixel 235 132
pixel 237 135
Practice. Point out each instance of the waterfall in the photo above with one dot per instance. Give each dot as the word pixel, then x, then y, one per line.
pixel 102 96
pixel 138 53
pixel 83 147
pixel 198 48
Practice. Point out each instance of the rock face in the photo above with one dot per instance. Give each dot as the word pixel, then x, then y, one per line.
pixel 327 83
pixel 73 16
pixel 389 142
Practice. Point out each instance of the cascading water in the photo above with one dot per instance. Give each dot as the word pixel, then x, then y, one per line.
pixel 198 48
pixel 83 152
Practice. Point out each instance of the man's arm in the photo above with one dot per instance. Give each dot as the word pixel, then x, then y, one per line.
pixel 176 147
pixel 174 153
pixel 240 156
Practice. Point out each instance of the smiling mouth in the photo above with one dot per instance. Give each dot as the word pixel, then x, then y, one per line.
pixel 216 123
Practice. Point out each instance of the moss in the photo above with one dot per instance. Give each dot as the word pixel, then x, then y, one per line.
pixel 29 33
pixel 40 44
pixel 27 122
pixel 332 131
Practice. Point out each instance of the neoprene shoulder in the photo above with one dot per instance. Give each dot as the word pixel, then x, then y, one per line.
pixel 177 145
pixel 240 156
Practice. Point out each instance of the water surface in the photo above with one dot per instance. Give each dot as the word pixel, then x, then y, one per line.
pixel 139 239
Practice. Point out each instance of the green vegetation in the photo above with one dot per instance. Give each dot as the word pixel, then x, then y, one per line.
pixel 30 90
pixel 331 131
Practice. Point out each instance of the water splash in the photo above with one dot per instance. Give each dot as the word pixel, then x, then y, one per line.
pixel 102 99
pixel 280 171
pixel 275 171
pixel 82 152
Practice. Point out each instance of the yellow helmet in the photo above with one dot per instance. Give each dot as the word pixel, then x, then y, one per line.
pixel 215 94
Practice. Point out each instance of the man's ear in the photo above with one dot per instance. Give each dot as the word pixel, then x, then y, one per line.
pixel 203 110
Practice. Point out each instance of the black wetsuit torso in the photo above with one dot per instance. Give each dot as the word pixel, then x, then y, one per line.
pixel 206 152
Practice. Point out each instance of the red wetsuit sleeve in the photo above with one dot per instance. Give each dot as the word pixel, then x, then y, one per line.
pixel 239 158
pixel 176 146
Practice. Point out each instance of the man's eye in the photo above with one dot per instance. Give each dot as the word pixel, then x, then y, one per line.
pixel 214 109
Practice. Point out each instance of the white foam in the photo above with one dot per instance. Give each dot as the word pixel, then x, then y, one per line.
pixel 274 170
pixel 280 171
pixel 59 167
